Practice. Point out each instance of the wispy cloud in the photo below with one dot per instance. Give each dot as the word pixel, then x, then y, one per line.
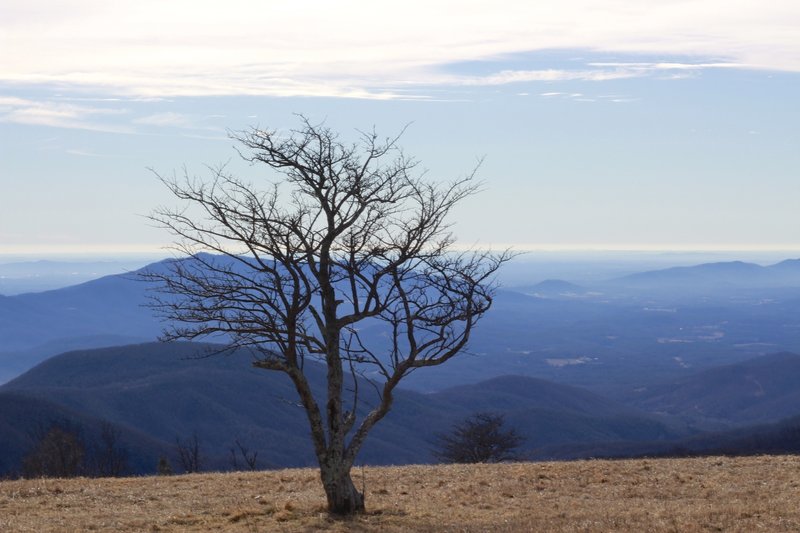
pixel 580 97
pixel 649 67
pixel 58 114
pixel 350 49
pixel 550 75
pixel 84 153
pixel 168 119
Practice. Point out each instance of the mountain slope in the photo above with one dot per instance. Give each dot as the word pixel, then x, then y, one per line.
pixel 759 390
pixel 717 275
pixel 160 390
pixel 165 392
pixel 595 339
pixel 25 418
pixel 549 414
pixel 43 275
pixel 105 306
pixel 553 288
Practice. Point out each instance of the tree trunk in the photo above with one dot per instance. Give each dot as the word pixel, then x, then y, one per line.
pixel 343 497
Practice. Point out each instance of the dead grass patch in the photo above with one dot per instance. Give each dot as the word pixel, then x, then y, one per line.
pixel 710 494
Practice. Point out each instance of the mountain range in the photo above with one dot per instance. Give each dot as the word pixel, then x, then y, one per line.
pixel 685 359
pixel 765 389
pixel 36 276
pixel 159 393
pixel 730 274
pixel 601 337
pixel 172 391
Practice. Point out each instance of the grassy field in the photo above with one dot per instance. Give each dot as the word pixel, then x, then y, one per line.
pixel 709 494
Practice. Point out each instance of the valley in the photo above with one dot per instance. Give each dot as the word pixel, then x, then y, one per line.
pixel 601 371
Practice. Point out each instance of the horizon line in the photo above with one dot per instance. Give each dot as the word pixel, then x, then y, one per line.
pixel 152 250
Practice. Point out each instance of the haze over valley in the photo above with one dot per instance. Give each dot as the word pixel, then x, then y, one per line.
pixel 664 361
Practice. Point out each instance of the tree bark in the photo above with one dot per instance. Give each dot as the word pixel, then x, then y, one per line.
pixel 343 497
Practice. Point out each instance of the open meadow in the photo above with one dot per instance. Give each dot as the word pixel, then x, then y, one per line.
pixel 705 494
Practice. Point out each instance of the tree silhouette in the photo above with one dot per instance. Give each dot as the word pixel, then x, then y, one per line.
pixel 110 457
pixel 250 458
pixel 59 451
pixel 348 236
pixel 478 439
pixel 189 453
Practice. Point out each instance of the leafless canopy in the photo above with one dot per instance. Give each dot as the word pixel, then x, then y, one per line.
pixel 350 240
pixel 480 438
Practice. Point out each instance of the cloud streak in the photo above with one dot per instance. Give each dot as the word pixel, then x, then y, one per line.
pixel 57 114
pixel 355 50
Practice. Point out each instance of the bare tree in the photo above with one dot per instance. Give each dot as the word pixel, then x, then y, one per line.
pixel 250 458
pixel 164 467
pixel 189 453
pixel 110 457
pixel 478 439
pixel 359 239
pixel 59 451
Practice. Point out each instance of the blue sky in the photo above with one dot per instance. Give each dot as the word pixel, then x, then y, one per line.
pixel 613 125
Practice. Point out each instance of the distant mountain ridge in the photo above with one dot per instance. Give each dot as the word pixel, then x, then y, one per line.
pixel 723 274
pixel 19 277
pixel 159 392
pixel 108 305
pixel 165 392
pixel 599 338
pixel 550 415
pixel 24 418
pixel 764 389
pixel 553 288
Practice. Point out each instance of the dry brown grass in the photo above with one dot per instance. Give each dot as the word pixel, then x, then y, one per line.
pixel 710 494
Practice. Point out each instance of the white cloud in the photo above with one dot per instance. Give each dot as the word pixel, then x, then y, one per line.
pixel 355 49
pixel 169 119
pixel 572 96
pixel 651 67
pixel 83 153
pixel 516 76
pixel 57 114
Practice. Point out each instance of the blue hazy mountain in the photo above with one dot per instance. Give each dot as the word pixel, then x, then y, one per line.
pixel 782 437
pixel 26 418
pixel 617 338
pixel 549 414
pixel 169 391
pixel 14 363
pixel 718 275
pixel 787 265
pixel 686 353
pixel 159 392
pixel 36 276
pixel 112 305
pixel 107 311
pixel 764 389
pixel 625 339
pixel 554 288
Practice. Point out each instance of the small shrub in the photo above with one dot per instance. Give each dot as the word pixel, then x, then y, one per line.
pixel 478 439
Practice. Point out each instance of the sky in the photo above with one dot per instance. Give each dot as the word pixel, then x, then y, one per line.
pixel 603 125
